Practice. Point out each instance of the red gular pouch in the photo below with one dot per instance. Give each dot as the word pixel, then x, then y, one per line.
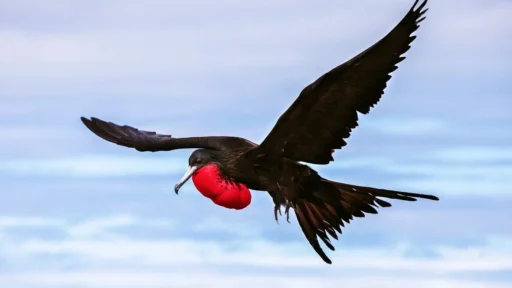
pixel 209 182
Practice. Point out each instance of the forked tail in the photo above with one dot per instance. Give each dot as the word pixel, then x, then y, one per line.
pixel 326 209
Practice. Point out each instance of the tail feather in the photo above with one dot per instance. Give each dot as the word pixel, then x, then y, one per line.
pixel 311 232
pixel 322 212
pixel 391 194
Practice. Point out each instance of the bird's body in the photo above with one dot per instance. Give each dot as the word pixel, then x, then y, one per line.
pixel 225 168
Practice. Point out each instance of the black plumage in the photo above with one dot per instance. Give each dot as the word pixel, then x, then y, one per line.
pixel 318 122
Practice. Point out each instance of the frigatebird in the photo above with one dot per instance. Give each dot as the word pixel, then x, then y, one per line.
pixel 224 168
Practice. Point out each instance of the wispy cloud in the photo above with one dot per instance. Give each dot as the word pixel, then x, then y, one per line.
pixel 101 226
pixel 262 254
pixel 442 264
pixel 128 278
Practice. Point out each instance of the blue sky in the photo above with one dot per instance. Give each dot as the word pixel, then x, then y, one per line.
pixel 76 211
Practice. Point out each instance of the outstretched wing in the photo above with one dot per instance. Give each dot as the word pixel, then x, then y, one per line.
pixel 150 141
pixel 325 112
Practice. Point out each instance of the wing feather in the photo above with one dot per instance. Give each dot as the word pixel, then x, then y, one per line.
pixel 151 141
pixel 325 112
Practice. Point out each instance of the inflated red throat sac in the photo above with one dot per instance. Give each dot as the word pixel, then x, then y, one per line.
pixel 210 183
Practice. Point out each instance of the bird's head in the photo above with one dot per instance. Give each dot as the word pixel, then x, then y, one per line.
pixel 197 160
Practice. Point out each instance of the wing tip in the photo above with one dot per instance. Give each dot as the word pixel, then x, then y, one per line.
pixel 91 123
pixel 97 127
pixel 432 197
pixel 87 122
pixel 84 120
pixel 420 7
pixel 417 196
pixel 419 11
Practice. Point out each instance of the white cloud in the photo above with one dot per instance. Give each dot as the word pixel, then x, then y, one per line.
pixel 98 226
pixel 129 278
pixel 101 227
pixel 87 257
pixel 86 242
pixel 81 229
pixel 219 226
pixel 136 258
pixel 262 254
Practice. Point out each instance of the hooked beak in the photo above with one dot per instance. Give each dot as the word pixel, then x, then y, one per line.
pixel 191 170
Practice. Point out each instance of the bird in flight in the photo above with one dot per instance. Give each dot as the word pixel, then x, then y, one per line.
pixel 226 168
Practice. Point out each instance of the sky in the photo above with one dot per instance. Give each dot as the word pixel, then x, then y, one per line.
pixel 77 211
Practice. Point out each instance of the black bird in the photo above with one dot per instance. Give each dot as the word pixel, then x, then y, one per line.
pixel 224 168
